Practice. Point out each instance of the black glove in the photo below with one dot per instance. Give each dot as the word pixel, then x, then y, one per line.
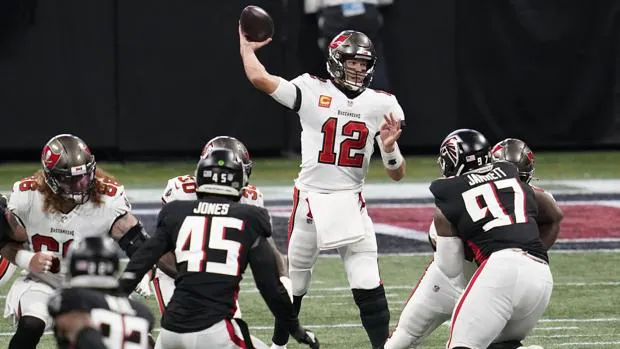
pixel 3 202
pixel 307 337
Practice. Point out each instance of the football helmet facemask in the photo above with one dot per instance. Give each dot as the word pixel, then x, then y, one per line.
pixel 463 150
pixel 516 151
pixel 351 45
pixel 69 167
pixel 235 146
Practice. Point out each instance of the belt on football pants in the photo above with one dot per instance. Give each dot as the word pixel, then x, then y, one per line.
pixel 530 256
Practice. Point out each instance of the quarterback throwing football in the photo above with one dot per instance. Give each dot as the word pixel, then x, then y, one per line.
pixel 340 118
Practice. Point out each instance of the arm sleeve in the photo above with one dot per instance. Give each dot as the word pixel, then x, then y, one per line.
pixel 449 255
pixel 263 264
pixel 146 256
pixel 287 94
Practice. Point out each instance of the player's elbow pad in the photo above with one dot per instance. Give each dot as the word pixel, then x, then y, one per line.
pixel 449 255
pixel 133 239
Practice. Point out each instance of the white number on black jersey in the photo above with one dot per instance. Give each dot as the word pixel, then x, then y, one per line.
pixel 488 192
pixel 192 244
pixel 118 327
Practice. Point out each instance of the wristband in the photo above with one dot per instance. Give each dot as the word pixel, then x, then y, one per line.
pixel 23 258
pixel 393 160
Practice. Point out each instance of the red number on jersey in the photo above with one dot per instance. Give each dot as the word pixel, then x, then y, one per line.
pixel 51 244
pixel 188 183
pixel 358 135
pixel 108 186
pixel 107 189
pixel 27 184
pixel 354 143
pixel 108 180
pixel 250 192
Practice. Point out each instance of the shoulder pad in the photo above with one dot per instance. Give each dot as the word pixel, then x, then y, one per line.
pixel 25 185
pixel 252 196
pixel 180 188
pixel 22 195
pixel 317 78
pixel 109 188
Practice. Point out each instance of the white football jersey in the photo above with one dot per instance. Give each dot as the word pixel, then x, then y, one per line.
pixel 56 231
pixel 338 133
pixel 184 188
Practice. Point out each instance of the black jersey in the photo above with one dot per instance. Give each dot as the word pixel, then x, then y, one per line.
pixel 120 320
pixel 213 241
pixel 491 209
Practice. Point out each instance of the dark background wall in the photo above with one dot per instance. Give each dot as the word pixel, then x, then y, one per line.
pixel 152 77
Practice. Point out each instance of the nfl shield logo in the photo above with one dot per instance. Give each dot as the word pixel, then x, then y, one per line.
pixel 350 103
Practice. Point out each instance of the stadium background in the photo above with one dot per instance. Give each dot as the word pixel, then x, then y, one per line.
pixel 146 83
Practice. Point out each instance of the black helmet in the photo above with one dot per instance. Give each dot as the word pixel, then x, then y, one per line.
pixel 69 167
pixel 221 172
pixel 347 45
pixel 516 151
pixel 93 263
pixel 462 151
pixel 233 144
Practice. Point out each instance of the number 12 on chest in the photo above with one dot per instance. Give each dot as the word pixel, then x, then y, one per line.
pixel 356 133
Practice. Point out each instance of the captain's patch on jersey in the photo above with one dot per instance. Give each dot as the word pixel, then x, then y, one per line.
pixel 325 101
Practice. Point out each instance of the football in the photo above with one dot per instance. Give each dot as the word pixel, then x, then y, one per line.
pixel 55 268
pixel 256 24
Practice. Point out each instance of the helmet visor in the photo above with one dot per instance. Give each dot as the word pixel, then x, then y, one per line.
pixel 75 184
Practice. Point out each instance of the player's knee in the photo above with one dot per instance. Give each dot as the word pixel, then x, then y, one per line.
pixel 29 332
pixel 363 272
pixel 32 325
pixel 300 281
pixel 372 304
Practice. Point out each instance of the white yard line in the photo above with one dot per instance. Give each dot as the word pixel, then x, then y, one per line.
pixel 358 325
pixel 588 343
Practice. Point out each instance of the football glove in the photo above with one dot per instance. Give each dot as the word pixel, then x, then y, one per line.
pixel 144 288
pixel 307 337
pixel 4 201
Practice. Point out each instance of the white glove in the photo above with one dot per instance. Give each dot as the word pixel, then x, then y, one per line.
pixel 143 289
pixel 286 282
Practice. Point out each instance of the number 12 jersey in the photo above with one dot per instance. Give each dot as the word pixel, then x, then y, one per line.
pixel 338 133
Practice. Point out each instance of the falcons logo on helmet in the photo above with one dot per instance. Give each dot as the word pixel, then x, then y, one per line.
pixel 450 149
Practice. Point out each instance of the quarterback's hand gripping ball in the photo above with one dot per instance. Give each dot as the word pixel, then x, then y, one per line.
pixel 256 24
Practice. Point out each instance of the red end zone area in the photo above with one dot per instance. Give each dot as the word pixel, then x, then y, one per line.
pixel 582 221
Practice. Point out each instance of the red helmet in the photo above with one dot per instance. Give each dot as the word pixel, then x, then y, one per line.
pixel 69 167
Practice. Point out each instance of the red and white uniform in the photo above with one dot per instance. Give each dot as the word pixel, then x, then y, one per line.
pixel 337 141
pixel 433 299
pixel 55 232
pixel 184 188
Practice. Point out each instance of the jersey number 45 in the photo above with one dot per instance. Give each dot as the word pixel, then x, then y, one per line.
pixel 192 244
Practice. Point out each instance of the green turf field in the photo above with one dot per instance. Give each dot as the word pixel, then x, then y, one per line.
pixel 282 171
pixel 583 312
